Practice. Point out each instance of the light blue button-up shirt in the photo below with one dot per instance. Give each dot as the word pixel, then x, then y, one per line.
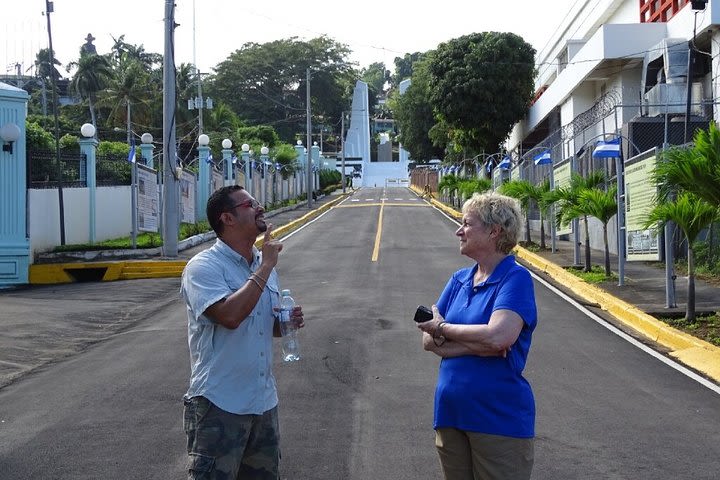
pixel 231 368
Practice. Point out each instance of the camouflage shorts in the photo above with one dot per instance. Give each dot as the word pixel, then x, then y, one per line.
pixel 225 446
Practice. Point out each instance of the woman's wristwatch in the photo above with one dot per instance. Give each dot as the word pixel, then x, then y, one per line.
pixel 438 337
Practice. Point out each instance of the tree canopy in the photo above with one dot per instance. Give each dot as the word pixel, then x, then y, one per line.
pixel 265 83
pixel 480 86
pixel 415 118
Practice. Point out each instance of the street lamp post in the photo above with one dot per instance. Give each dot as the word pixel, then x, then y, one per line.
pixel 204 176
pixel 88 144
pixel 227 154
pixel 264 159
pixel 342 151
pixel 245 155
pixel 146 149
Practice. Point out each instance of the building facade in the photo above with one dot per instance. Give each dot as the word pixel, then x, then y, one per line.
pixel 620 68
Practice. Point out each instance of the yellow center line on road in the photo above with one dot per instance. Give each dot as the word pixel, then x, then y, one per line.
pixel 378 235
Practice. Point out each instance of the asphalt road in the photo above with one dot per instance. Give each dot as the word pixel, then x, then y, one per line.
pixel 359 404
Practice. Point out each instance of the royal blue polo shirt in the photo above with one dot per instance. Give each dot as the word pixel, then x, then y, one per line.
pixel 488 394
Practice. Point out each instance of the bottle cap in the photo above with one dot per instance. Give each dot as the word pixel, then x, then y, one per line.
pixel 285 292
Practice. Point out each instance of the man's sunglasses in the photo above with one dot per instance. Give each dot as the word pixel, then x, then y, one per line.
pixel 247 203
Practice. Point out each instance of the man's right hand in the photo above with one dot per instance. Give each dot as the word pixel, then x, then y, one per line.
pixel 270 248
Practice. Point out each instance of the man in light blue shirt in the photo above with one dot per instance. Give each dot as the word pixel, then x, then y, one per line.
pixel 231 290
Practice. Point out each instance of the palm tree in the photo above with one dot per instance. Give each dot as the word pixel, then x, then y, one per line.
pixel 568 197
pixel 695 169
pixel 473 185
pixel 127 91
pixel 45 67
pixel 525 192
pixel 692 215
pixel 602 205
pixel 448 182
pixel 92 76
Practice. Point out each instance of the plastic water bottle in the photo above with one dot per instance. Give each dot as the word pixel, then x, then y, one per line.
pixel 290 345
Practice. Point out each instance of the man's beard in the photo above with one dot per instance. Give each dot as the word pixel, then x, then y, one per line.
pixel 261 224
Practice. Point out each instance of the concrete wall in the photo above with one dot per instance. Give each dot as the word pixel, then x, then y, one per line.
pixel 112 217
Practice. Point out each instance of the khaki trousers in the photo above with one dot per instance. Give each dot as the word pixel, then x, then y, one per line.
pixel 479 456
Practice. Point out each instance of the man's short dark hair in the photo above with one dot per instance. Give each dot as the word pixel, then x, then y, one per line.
pixel 218 203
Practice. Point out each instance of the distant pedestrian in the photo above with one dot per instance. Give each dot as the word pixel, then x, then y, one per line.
pixel 231 291
pixel 482 328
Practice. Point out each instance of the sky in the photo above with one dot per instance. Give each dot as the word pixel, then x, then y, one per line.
pixel 378 34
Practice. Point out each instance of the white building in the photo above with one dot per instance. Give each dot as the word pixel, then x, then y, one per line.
pixel 619 67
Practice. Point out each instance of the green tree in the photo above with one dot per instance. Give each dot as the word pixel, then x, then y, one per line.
pixel 265 83
pixel 481 85
pixel 602 205
pixel 692 214
pixel 567 198
pixel 448 184
pixel 404 67
pixel 286 155
pixel 37 138
pixel 468 186
pixel 414 117
pixel 45 67
pixel 126 94
pixel 91 77
pixel 695 169
pixel 528 194
pixel 376 76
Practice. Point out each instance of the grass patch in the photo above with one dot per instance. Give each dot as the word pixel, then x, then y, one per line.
pixel 143 240
pixel 705 327
pixel 595 275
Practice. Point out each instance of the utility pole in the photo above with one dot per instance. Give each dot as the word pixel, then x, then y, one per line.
pixel 308 145
pixel 170 184
pixel 342 151
pixel 48 10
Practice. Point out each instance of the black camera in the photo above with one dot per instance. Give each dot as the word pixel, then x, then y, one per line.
pixel 423 314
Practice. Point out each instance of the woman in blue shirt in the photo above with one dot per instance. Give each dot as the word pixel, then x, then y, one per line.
pixel 482 327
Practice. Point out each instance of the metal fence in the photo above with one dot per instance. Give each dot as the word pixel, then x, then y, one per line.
pixel 43 170
pixel 111 170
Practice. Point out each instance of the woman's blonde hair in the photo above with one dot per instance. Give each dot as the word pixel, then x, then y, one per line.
pixel 495 209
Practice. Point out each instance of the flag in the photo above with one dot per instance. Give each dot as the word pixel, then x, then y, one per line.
pixel 209 159
pixel 543 159
pixel 234 159
pixel 131 155
pixel 505 163
pixel 607 149
pixel 488 167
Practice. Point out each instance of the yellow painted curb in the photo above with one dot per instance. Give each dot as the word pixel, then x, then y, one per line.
pixel 51 273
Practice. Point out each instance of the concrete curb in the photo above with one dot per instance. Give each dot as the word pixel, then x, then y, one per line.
pixel 692 351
